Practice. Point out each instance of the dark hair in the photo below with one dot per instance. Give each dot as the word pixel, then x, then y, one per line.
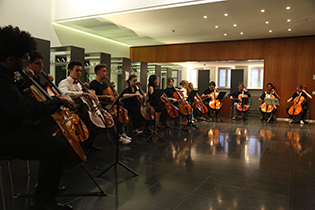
pixel 300 86
pixel 130 78
pixel 240 83
pixel 36 55
pixel 15 43
pixel 269 84
pixel 152 78
pixel 74 63
pixel 170 79
pixel 99 67
pixel 212 83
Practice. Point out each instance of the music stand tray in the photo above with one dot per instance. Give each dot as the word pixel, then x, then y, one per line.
pixel 192 95
pixel 272 101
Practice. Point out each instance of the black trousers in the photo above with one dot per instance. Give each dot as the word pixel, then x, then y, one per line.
pixel 303 113
pixel 137 119
pixel 27 142
pixel 163 111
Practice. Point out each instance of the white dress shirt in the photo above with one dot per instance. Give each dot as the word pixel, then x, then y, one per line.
pixel 68 88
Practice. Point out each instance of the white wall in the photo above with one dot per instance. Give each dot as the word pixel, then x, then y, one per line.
pixel 34 16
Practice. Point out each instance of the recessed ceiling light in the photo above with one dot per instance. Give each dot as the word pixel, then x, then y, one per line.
pixel 205 16
pixel 225 34
pixel 262 10
pixel 270 31
pixel 267 22
pixel 288 7
pixel 234 25
pixel 226 14
pixel 216 26
pixel 289 29
pixel 241 33
pixel 288 20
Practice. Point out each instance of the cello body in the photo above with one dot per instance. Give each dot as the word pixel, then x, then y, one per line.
pixel 214 103
pixel 296 108
pixel 242 107
pixel 184 106
pixel 268 108
pixel 171 110
pixel 199 104
pixel 147 111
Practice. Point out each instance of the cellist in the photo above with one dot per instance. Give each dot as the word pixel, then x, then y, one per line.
pixel 207 96
pixel 270 91
pixel 235 95
pixel 299 92
pixel 98 85
pixel 19 137
pixel 153 85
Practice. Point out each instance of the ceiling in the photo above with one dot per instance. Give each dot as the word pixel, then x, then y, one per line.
pixel 187 24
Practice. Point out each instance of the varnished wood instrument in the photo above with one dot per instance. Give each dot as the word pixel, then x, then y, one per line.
pixel 171 110
pixel 147 111
pixel 183 105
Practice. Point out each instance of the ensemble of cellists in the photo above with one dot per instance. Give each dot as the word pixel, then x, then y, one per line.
pixel 41 121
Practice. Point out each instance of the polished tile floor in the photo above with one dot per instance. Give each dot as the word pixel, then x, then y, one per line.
pixel 231 165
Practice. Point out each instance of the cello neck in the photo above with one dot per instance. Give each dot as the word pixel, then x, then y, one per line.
pixel 51 83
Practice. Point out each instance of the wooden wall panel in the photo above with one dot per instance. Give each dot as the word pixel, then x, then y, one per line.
pixel 288 61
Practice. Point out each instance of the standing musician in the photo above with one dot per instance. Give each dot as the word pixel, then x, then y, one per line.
pixel 36 65
pixel 19 137
pixel 153 81
pixel 207 97
pixel 98 85
pixel 236 95
pixel 269 93
pixel 133 96
pixel 169 91
pixel 300 92
pixel 71 87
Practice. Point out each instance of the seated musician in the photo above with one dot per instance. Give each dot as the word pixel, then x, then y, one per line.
pixel 235 96
pixel 98 85
pixel 36 65
pixel 190 88
pixel 20 138
pixel 169 91
pixel 207 96
pixel 186 92
pixel 153 81
pixel 302 92
pixel 132 103
pixel 71 87
pixel 270 91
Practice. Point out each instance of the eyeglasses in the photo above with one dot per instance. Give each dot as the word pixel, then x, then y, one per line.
pixel 39 63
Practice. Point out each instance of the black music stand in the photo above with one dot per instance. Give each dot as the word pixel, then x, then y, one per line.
pixel 191 98
pixel 117 161
pixel 157 94
pixel 271 102
pixel 219 97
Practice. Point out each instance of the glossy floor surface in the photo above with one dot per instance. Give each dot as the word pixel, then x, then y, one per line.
pixel 231 165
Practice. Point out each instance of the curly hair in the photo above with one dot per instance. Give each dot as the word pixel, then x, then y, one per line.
pixel 36 55
pixel 15 43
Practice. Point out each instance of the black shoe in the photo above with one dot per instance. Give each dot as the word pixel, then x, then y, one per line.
pixel 52 205
pixel 62 189
pixel 92 147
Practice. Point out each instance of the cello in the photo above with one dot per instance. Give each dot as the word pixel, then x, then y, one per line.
pixel 240 106
pixel 214 103
pixel 171 110
pixel 58 124
pixel 98 116
pixel 268 108
pixel 297 108
pixel 147 111
pixel 184 106
pixel 79 129
pixel 199 104
pixel 123 113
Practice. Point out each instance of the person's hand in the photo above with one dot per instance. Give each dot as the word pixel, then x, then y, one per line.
pixel 88 95
pixel 86 85
pixel 66 101
pixel 259 99
pixel 288 100
pixel 113 84
pixel 174 99
pixel 112 98
pixel 30 72
pixel 231 97
pixel 51 78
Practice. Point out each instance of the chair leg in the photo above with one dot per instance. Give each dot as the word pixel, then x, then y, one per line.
pixel 2 191
pixel 11 179
pixel 28 176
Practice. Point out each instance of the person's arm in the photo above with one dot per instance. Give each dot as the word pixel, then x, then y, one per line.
pixel 278 97
pixel 289 100
pixel 307 94
pixel 262 97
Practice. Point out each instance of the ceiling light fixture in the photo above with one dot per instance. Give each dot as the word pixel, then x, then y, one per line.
pixel 288 20
pixel 270 31
pixel 267 22
pixel 225 34
pixel 262 10
pixel 226 14
pixel 216 26
pixel 205 17
pixel 288 7
pixel 289 29
pixel 234 25
pixel 241 33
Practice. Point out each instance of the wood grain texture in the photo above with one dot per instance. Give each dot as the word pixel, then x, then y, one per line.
pixel 288 61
